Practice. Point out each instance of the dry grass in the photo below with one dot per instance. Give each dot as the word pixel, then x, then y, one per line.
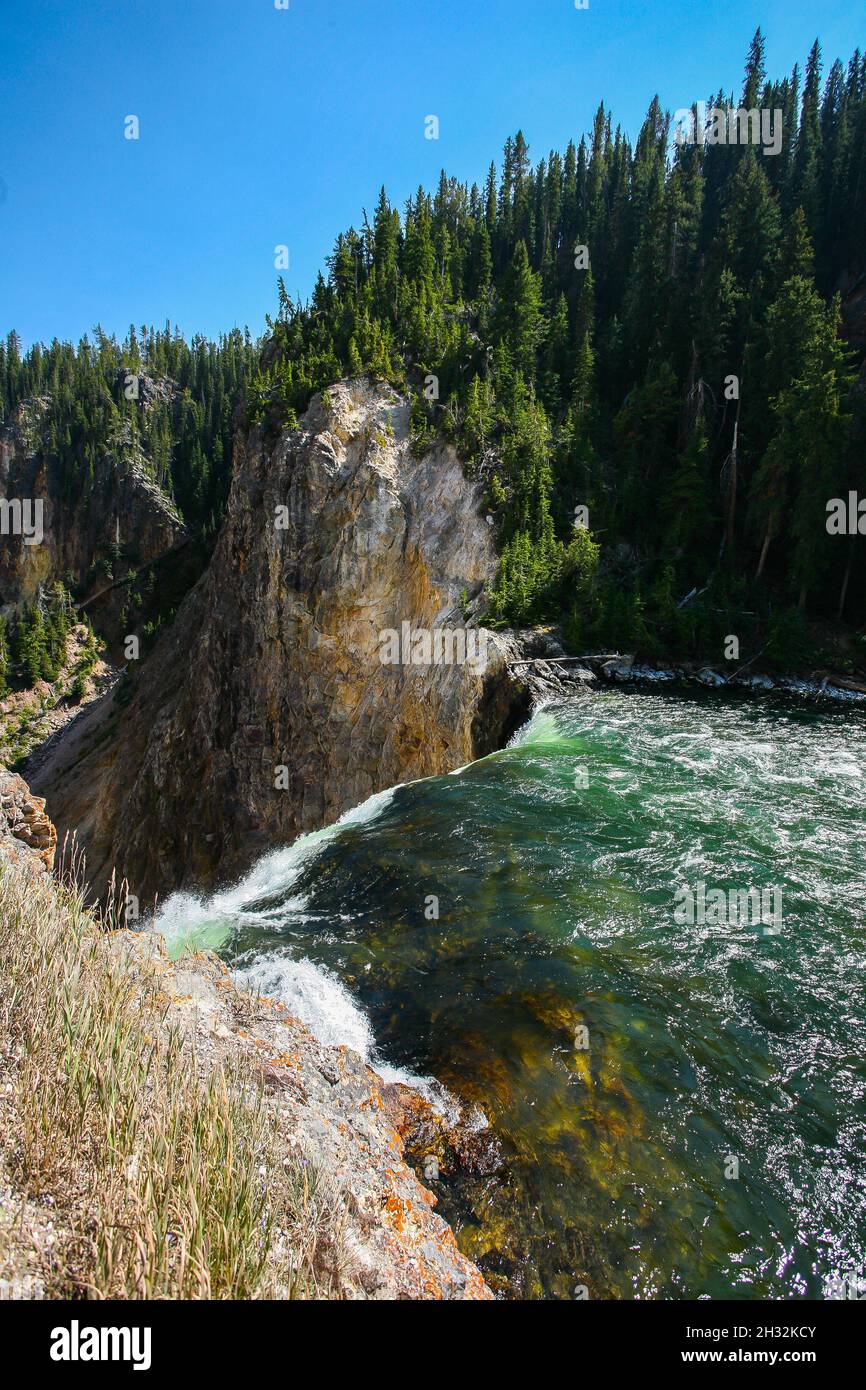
pixel 165 1181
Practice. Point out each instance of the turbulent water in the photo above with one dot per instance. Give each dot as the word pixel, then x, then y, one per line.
pixel 681 1107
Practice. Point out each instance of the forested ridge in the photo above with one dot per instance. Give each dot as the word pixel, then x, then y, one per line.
pixel 607 387
pixel 650 331
pixel 155 398
pixel 96 403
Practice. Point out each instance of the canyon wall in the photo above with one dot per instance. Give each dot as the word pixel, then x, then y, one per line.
pixel 266 711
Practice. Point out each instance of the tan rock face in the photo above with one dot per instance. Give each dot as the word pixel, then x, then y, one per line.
pixel 26 834
pixel 266 711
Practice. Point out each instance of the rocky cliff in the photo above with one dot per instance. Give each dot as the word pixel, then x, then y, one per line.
pixel 124 520
pixel 267 710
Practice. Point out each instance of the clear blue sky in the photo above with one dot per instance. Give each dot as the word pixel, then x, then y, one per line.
pixel 261 126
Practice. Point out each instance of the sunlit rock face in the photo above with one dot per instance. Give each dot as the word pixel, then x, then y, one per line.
pixel 267 709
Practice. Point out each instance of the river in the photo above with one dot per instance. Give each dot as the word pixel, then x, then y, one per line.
pixel 681 1105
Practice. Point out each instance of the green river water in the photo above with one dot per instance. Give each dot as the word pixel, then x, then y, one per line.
pixel 681 1108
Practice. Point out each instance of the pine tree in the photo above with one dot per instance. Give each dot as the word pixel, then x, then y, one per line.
pixel 753 82
pixel 519 321
pixel 806 188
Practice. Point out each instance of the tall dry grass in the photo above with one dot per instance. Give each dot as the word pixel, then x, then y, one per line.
pixel 166 1180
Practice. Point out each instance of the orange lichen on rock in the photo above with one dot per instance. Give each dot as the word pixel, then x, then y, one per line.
pixel 26 833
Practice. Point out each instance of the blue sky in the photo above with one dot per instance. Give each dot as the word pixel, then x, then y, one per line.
pixel 261 127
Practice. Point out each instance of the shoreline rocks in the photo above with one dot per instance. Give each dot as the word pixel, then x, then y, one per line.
pixel 539 660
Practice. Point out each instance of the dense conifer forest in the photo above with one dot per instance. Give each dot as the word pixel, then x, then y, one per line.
pixel 650 332
pixel 95 405
pixel 574 326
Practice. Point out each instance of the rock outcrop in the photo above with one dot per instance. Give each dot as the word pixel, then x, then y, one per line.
pixel 266 710
pixel 332 1112
pixel 27 836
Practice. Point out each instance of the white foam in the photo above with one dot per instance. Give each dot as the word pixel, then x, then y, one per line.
pixel 540 728
pixel 432 1090
pixel 313 995
pixel 185 918
pixel 310 992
